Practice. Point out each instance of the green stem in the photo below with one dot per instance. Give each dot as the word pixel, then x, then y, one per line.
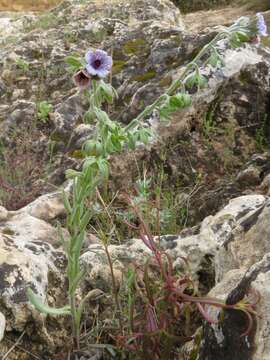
pixel 75 325
pixel 114 287
pixel 76 222
pixel 179 82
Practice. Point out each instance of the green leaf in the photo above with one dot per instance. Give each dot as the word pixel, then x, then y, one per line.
pixel 116 142
pixel 37 303
pixel 90 163
pixel 242 36
pixel 89 148
pixel 191 80
pixel 103 168
pixel 214 60
pixel 66 202
pixel 108 93
pixel 235 41
pixel 164 112
pixel 202 81
pixel 131 141
pixel 144 135
pixel 180 100
pixel 71 174
pixel 109 146
pixel 44 108
pixel 75 63
pixel 89 117
pixel 85 219
pixel 75 282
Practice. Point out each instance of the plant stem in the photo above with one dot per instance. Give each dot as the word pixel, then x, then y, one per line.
pixel 179 82
pixel 115 292
pixel 75 325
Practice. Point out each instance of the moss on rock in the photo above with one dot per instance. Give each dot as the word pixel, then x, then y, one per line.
pixel 118 66
pixel 136 46
pixel 144 77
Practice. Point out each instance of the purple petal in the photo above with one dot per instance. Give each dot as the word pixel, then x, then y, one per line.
pixel 91 70
pixel 261 25
pixel 98 63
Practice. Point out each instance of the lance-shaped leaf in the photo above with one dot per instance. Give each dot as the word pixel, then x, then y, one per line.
pixel 43 308
pixel 74 63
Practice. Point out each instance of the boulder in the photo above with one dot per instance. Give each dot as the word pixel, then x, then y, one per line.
pixel 27 260
pixel 225 341
pixel 233 241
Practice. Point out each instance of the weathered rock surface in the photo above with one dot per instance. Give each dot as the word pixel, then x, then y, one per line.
pixel 2 326
pixel 150 45
pixel 217 242
pixel 191 150
pixel 219 251
pixel 228 250
pixel 47 207
pixel 242 266
pixel 225 341
pixel 28 261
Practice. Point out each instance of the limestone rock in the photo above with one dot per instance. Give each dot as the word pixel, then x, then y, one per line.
pixel 225 341
pixel 2 326
pixel 3 214
pixel 27 261
pixel 150 47
pixel 24 226
pixel 96 262
pixel 247 241
pixel 265 185
pixel 230 242
pixel 223 242
pixel 67 114
pixel 49 206
pixel 11 24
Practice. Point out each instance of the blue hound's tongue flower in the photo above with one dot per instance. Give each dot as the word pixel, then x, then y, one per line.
pixel 261 25
pixel 99 63
pixel 82 79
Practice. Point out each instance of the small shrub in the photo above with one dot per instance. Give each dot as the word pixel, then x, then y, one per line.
pixel 22 64
pixel 43 110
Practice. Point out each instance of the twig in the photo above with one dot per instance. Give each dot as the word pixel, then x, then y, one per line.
pixel 13 346
pixel 114 287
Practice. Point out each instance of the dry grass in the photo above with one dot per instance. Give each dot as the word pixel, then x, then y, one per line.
pixel 19 5
pixel 23 169
pixel 39 5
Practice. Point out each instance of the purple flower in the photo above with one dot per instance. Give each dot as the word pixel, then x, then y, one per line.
pixel 99 63
pixel 261 25
pixel 82 79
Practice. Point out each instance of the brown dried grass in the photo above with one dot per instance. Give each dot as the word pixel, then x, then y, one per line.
pixel 20 5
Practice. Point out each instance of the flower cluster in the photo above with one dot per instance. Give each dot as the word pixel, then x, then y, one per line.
pixel 98 65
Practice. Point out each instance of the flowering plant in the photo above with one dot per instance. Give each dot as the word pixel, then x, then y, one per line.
pixel 111 137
